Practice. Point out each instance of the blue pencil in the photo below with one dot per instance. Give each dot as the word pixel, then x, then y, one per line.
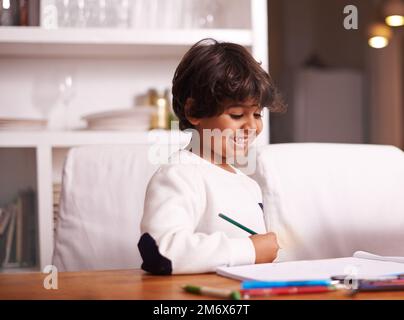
pixel 282 284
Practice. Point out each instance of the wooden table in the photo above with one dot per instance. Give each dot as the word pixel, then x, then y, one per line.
pixel 135 284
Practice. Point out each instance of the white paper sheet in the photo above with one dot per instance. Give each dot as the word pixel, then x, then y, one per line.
pixel 312 269
pixel 371 256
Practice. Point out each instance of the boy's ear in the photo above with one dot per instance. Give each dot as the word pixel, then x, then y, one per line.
pixel 188 107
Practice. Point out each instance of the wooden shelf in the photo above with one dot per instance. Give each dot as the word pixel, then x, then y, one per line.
pixel 20 270
pixel 37 41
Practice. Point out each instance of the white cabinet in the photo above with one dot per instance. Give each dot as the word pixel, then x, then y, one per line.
pixel 112 67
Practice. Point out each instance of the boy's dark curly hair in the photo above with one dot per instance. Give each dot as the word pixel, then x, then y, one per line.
pixel 213 72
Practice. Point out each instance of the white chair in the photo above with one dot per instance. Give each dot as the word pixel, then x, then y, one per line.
pixel 330 200
pixel 102 201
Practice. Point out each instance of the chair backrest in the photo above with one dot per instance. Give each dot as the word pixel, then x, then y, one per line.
pixel 329 200
pixel 101 206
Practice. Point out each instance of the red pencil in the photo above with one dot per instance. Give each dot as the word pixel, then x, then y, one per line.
pixel 283 291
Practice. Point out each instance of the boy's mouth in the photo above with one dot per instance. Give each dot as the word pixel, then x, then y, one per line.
pixel 242 141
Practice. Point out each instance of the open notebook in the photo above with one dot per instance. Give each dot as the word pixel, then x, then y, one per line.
pixel 362 264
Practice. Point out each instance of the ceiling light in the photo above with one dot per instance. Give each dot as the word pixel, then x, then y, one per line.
pixel 379 35
pixel 394 13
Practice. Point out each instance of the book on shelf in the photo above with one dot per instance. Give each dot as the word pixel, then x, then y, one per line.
pixel 5 216
pixel 30 228
pixel 19 231
pixel 8 237
pixel 18 241
pixel 57 190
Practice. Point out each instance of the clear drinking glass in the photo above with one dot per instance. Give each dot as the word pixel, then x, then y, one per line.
pixel 67 94
pixel 190 10
pixel 72 13
pixel 122 10
pixel 152 18
pixel 176 13
pixel 207 13
pixel 81 17
pixel 63 13
pixel 102 13
pixel 91 13
pixel 164 14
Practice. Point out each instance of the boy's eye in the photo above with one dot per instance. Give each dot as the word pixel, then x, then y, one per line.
pixel 239 116
pixel 236 116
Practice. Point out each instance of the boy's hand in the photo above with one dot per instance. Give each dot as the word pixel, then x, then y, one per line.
pixel 266 247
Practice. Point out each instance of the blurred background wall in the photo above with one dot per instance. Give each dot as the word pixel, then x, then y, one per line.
pixel 317 63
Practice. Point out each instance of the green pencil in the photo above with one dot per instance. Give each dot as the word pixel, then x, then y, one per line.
pixel 221 215
pixel 214 292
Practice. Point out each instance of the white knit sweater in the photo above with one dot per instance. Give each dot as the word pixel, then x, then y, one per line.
pixel 181 229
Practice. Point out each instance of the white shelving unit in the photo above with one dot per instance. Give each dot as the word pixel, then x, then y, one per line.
pixel 45 143
pixel 134 57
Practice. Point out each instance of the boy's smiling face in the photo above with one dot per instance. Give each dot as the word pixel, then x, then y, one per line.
pixel 233 131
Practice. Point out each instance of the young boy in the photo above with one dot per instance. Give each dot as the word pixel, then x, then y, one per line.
pixel 217 87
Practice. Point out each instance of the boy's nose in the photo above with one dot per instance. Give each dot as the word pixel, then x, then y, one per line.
pixel 250 124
